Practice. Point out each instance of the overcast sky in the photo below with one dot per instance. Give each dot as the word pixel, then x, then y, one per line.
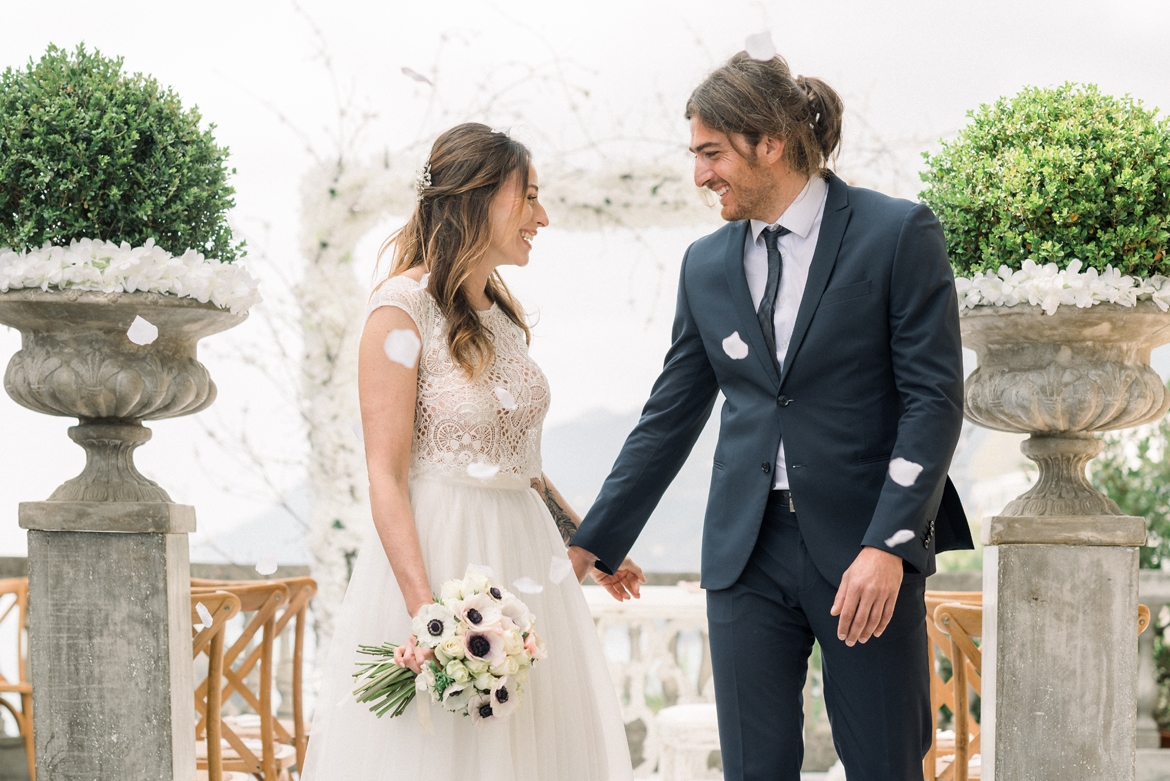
pixel 605 75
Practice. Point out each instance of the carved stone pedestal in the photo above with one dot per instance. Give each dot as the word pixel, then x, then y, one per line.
pixel 109 576
pixel 110 649
pixel 1060 570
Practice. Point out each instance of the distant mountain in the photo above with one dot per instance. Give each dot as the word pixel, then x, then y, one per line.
pixel 577 456
pixel 275 532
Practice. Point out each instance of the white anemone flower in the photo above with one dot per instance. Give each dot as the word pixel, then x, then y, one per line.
pixel 517 612
pixel 433 624
pixel 481 711
pixel 485 646
pixel 480 612
pixel 505 698
pixel 457 695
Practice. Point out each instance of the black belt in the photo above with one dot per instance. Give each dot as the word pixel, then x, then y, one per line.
pixel 784 497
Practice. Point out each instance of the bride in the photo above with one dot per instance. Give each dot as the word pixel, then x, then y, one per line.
pixel 452 436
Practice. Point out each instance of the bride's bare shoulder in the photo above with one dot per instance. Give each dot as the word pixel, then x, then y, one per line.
pixel 415 273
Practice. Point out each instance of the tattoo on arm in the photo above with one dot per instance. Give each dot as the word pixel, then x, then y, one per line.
pixel 564 523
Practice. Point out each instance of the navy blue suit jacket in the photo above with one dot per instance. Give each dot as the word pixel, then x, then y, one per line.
pixel 874 372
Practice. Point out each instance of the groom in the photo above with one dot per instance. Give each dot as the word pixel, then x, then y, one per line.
pixel 827 316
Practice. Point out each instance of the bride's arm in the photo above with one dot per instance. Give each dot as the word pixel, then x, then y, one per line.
pixel 388 392
pixel 566 519
pixel 624 583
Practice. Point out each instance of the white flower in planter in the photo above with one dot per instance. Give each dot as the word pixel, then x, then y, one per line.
pixel 106 267
pixel 1050 287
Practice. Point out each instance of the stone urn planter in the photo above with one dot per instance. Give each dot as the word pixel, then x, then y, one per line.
pixel 108 554
pixel 1061 566
pixel 77 361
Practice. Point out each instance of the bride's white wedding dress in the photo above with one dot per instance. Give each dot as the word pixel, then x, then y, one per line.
pixel 569 726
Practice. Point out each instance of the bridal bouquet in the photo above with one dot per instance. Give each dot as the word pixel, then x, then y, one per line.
pixel 484 642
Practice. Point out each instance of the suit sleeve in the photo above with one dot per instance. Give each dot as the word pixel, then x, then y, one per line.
pixel 674 416
pixel 927 356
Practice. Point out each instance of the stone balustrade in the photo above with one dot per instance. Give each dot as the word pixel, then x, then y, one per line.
pixel 659 656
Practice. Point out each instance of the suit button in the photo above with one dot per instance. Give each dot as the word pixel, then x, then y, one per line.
pixel 766 467
pixel 783 400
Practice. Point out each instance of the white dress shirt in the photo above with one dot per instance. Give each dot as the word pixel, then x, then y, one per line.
pixel 803 219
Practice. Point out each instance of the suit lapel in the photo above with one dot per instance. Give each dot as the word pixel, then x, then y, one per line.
pixel 833 223
pixel 749 324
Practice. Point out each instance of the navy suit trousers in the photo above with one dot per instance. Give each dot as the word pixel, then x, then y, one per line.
pixel 762 630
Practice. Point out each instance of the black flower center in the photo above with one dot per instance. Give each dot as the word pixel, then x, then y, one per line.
pixel 501 695
pixel 474 616
pixel 485 711
pixel 435 627
pixel 479 646
pixel 495 592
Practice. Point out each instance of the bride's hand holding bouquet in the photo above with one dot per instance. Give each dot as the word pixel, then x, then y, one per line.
pixel 470 651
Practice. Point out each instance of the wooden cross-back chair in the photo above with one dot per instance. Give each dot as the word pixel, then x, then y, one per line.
pixel 958 617
pixel 301 591
pixel 939 763
pixel 261 600
pixel 209 640
pixel 20 686
pixel 963 624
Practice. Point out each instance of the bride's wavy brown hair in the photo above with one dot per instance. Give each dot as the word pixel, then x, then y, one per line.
pixel 450 231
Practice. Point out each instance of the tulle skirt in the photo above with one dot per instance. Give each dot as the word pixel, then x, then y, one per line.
pixel 569 725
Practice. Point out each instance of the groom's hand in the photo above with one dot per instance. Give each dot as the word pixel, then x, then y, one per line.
pixel 865 600
pixel 582 561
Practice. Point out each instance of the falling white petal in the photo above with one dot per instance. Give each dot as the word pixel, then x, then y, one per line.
pixel 356 426
pixel 735 347
pixel 901 536
pixel 481 471
pixel 422 283
pixel 559 569
pixel 142 332
pixel 904 473
pixel 266 565
pixel 527 585
pixel 416 76
pixel 760 46
pixel 204 614
pixel 402 346
pixel 507 400
pixel 484 569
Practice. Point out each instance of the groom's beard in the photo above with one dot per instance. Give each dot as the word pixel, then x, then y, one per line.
pixel 750 194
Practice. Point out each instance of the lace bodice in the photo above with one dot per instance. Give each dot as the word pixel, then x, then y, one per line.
pixel 493 421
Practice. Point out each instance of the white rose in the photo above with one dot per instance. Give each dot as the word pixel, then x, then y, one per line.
pixel 475 582
pixel 452 648
pixel 510 666
pixel 452 591
pixel 485 682
pixel 513 642
pixel 458 671
pixel 476 666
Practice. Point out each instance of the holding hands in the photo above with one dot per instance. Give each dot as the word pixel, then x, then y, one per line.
pixel 624 584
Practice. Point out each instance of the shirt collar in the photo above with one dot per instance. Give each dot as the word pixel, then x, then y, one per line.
pixel 801 213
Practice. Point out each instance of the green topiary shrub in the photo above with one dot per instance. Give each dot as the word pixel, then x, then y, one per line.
pixel 88 151
pixel 1053 175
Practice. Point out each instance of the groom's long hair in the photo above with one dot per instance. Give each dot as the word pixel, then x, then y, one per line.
pixel 450 231
pixel 756 98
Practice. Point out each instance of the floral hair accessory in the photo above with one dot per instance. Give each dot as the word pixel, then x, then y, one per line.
pixel 423 181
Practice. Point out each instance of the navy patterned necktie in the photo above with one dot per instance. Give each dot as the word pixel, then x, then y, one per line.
pixel 767 311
